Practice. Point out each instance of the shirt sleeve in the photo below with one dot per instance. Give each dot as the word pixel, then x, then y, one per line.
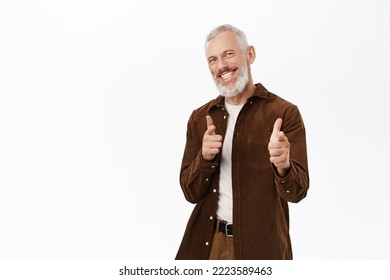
pixel 196 173
pixel 293 187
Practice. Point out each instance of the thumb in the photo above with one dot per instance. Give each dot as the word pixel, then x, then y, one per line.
pixel 277 126
pixel 210 123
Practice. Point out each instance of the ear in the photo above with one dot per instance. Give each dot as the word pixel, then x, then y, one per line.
pixel 251 54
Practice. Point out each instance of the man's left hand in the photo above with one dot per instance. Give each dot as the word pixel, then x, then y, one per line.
pixel 279 148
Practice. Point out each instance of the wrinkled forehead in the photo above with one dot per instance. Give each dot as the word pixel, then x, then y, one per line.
pixel 222 42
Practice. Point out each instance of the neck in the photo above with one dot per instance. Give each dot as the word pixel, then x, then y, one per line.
pixel 242 97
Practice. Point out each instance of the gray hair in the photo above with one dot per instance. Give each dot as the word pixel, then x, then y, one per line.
pixel 227 27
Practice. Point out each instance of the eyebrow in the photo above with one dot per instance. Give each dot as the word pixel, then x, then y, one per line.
pixel 229 50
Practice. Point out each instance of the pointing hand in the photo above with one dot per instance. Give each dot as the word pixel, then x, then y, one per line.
pixel 212 142
pixel 279 148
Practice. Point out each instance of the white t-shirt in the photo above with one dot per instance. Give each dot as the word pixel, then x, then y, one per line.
pixel 225 202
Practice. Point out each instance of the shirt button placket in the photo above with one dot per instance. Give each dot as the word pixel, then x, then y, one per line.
pixel 211 219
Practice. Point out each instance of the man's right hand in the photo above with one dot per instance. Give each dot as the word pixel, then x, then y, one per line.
pixel 212 143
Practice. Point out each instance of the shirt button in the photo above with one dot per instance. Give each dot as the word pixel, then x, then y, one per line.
pixel 287 191
pixel 207 244
pixel 207 179
pixel 211 217
pixel 224 117
pixel 283 182
pixel 214 190
pixel 213 166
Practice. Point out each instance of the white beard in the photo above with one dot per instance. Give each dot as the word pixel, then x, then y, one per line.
pixel 238 87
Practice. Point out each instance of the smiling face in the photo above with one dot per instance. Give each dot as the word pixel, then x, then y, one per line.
pixel 228 63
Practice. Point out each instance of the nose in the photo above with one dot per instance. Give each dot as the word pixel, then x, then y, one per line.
pixel 221 65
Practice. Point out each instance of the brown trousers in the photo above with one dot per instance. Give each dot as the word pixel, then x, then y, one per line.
pixel 221 246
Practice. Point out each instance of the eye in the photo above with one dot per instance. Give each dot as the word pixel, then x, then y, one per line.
pixel 229 54
pixel 212 60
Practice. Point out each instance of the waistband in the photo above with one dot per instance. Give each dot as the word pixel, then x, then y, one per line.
pixel 225 227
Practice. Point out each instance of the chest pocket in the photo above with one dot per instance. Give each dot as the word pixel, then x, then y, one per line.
pixel 256 150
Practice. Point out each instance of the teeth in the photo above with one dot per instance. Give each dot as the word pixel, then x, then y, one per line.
pixel 227 75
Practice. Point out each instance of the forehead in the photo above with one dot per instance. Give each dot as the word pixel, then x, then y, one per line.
pixel 220 43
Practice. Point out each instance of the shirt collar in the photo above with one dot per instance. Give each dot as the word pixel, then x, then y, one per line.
pixel 260 92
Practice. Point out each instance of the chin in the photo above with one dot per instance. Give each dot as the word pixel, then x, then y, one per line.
pixel 228 91
pixel 236 87
pixel 234 90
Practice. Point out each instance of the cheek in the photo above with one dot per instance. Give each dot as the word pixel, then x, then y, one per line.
pixel 213 70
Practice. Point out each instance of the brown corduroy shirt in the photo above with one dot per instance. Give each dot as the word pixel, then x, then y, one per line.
pixel 260 195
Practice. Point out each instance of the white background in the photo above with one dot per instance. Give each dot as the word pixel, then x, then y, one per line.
pixel 95 98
